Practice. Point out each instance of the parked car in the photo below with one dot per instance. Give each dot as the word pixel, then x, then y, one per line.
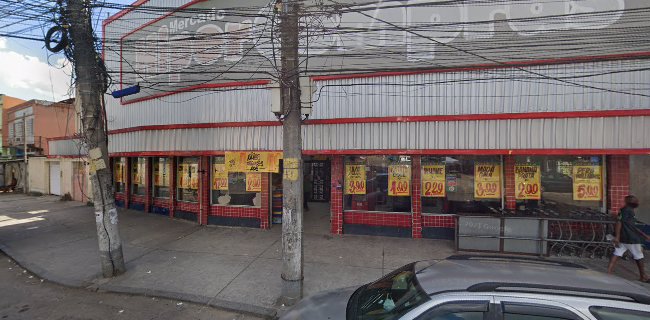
pixel 483 287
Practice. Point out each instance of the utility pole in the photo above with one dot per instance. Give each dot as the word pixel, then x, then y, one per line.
pixel 292 180
pixel 90 89
pixel 25 171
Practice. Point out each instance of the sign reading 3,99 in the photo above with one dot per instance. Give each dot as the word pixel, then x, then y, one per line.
pixel 355 179
pixel 487 181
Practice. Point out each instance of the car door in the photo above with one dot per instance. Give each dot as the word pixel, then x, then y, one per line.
pixel 515 308
pixel 460 307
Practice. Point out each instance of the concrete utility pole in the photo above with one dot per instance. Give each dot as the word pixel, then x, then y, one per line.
pixel 292 253
pixel 25 171
pixel 90 88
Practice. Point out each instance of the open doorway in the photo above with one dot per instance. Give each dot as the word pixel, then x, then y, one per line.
pixel 316 208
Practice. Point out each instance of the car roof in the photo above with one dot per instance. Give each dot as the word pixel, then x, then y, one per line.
pixel 520 274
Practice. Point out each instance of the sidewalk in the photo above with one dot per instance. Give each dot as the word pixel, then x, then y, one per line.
pixel 231 268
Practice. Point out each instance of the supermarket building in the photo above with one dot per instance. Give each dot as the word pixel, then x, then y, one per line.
pixel 396 153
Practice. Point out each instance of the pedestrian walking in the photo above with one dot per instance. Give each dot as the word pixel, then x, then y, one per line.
pixel 629 238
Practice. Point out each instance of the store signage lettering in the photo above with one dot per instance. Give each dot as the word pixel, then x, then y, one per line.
pixel 528 182
pixel 433 181
pixel 184 44
pixel 161 174
pixel 487 181
pixel 253 161
pixel 355 179
pixel 219 177
pixel 587 183
pixel 253 182
pixel 399 180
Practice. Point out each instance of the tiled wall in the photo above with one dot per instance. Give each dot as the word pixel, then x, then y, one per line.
pixel 618 186
pixel 509 176
pixel 377 219
pixel 443 221
pixel 336 195
pixel 416 199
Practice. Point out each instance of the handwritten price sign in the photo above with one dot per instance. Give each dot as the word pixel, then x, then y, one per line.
pixel 355 179
pixel 433 181
pixel 528 182
pixel 219 177
pixel 487 181
pixel 587 183
pixel 399 180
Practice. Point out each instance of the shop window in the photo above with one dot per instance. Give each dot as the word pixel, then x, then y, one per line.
pixel 461 184
pixel 558 184
pixel 138 176
pixel 119 174
pixel 161 177
pixel 187 182
pixel 378 183
pixel 234 188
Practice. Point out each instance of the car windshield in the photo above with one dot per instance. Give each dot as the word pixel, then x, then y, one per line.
pixel 388 298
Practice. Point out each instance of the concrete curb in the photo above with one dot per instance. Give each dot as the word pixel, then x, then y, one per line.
pixel 263 312
pixel 42 273
pixel 258 311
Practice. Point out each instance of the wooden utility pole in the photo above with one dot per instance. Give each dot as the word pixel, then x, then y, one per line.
pixel 90 90
pixel 292 253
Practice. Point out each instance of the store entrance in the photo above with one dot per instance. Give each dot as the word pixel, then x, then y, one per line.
pixel 316 208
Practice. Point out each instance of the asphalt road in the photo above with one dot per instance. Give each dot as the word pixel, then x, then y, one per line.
pixel 25 296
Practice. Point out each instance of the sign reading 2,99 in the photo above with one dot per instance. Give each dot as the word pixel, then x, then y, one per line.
pixel 528 182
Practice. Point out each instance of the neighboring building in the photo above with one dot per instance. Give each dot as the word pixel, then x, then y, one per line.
pixel 6 102
pixel 43 120
pixel 396 148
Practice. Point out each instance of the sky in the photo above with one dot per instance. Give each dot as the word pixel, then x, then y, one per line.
pixel 29 71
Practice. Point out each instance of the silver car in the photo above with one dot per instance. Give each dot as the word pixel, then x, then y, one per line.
pixel 483 288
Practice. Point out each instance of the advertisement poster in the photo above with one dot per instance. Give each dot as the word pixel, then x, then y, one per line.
pixel 253 161
pixel 194 175
pixel 587 183
pixel 355 179
pixel 487 181
pixel 119 172
pixel 139 171
pixel 528 182
pixel 219 177
pixel 433 181
pixel 399 180
pixel 183 176
pixel 253 182
pixel 161 175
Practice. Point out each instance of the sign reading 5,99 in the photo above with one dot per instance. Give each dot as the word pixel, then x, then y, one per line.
pixel 587 183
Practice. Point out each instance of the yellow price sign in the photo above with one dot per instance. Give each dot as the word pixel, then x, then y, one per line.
pixel 399 180
pixel 528 184
pixel 487 181
pixel 587 183
pixel 433 181
pixel 355 179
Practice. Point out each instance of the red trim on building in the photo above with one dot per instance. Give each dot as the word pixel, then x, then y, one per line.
pixel 496 116
pixel 265 210
pixel 123 12
pixel 197 126
pixel 503 65
pixel 204 189
pixel 194 88
pixel 479 152
pixel 235 212
pixel 172 186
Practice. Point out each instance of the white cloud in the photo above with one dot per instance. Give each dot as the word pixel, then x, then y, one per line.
pixel 23 73
pixel 3 43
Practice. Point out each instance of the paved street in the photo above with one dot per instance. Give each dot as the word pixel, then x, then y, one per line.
pixel 25 296
pixel 233 268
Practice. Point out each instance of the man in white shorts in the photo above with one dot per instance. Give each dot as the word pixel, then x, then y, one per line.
pixel 629 237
